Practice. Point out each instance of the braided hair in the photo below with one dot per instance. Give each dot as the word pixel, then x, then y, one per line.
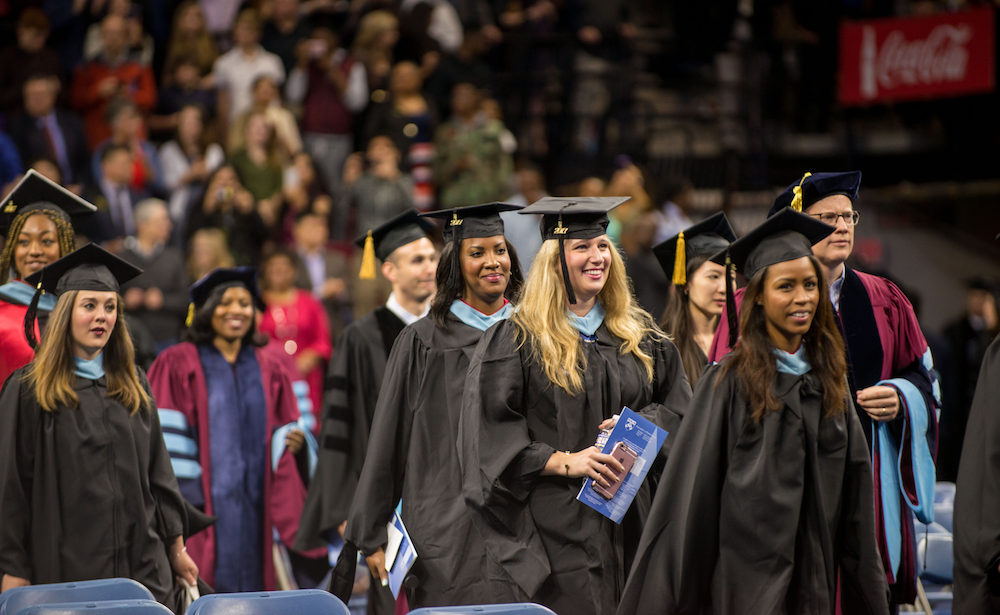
pixel 64 231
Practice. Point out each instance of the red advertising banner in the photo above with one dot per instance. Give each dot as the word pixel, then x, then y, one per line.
pixel 937 56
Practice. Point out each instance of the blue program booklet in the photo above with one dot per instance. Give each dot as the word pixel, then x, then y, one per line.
pixel 399 553
pixel 634 438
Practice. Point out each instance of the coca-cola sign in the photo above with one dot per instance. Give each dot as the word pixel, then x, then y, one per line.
pixel 884 60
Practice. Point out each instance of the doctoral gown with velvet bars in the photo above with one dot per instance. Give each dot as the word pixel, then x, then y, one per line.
pixel 977 498
pixel 886 347
pixel 178 383
pixel 412 455
pixel 352 388
pixel 542 544
pixel 759 517
pixel 87 492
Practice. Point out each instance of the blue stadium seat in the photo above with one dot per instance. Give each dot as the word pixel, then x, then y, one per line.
pixel 299 602
pixel 18 598
pixel 919 529
pixel 944 493
pixel 100 607
pixel 523 608
pixel 935 558
pixel 944 514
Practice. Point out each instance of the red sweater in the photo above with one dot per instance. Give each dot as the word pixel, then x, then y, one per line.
pixel 137 83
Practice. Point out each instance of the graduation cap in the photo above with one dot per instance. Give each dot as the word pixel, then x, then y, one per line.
pixel 89 268
pixel 575 217
pixel 785 236
pixel 813 187
pixel 475 221
pixel 36 193
pixel 222 277
pixel 381 241
pixel 709 236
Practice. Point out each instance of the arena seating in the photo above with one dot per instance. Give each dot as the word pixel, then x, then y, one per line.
pixel 300 602
pixel 486 609
pixel 15 600
pixel 100 607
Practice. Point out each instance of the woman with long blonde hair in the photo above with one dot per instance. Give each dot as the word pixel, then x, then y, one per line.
pixel 540 387
pixel 86 486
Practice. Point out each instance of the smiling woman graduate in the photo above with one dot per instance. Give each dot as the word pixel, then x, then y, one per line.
pixel 86 487
pixel 411 451
pixel 539 388
pixel 766 501
pixel 234 430
pixel 37 218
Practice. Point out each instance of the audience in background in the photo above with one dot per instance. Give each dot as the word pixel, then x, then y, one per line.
pixel 322 271
pixel 42 130
pixel 110 76
pixel 382 191
pixel 27 58
pixel 259 168
pixel 128 130
pixel 159 297
pixel 185 87
pixel 236 70
pixel 378 33
pixel 187 161
pixel 207 250
pixel 115 198
pixel 228 206
pixel 266 101
pixel 284 32
pixel 138 43
pixel 470 165
pixel 189 39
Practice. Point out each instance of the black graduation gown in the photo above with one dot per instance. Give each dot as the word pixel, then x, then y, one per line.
pixel 758 518
pixel 86 493
pixel 542 544
pixel 977 498
pixel 412 455
pixel 352 390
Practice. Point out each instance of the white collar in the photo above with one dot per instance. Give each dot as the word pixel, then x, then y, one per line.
pixel 392 304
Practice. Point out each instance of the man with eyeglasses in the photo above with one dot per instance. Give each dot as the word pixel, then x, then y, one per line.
pixel 890 372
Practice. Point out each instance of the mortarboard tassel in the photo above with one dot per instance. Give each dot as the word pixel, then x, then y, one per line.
pixel 680 262
pixel 190 316
pixel 570 295
pixel 368 259
pixel 731 318
pixel 797 199
pixel 29 317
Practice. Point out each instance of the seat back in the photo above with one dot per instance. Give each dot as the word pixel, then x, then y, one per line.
pixel 944 514
pixel 919 529
pixel 99 607
pixel 299 602
pixel 936 558
pixel 18 598
pixel 522 608
pixel 944 493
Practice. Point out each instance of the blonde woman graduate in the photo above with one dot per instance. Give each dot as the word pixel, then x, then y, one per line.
pixel 540 387
pixel 412 454
pixel 86 487
pixel 766 505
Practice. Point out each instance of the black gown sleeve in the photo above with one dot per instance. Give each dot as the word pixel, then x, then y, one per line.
pixel 677 553
pixel 381 482
pixel 170 505
pixel 500 462
pixel 860 564
pixel 671 391
pixel 977 497
pixel 18 437
pixel 343 440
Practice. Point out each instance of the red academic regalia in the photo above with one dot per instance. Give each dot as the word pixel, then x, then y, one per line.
pixel 15 352
pixel 305 323
pixel 178 383
pixel 885 346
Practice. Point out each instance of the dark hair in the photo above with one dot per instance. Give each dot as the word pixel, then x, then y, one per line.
pixel 118 106
pixel 113 149
pixel 753 358
pixel 201 330
pixel 451 281
pixel 676 323
pixel 277 252
pixel 34 18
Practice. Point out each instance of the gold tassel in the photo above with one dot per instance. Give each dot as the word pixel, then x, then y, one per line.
pixel 797 199
pixel 190 316
pixel 368 259
pixel 680 262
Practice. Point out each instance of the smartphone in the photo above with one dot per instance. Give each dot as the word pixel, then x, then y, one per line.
pixel 625 456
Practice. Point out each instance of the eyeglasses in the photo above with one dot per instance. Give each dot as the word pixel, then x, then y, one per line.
pixel 850 219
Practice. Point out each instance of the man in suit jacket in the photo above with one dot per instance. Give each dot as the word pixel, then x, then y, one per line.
pixel 115 200
pixel 322 271
pixel 41 130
